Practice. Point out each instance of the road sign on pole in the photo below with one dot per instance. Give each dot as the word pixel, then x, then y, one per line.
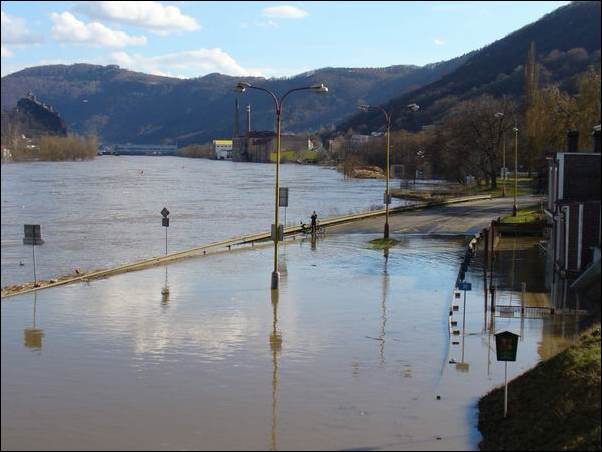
pixel 506 344
pixel 33 236
pixel 464 286
pixel 283 197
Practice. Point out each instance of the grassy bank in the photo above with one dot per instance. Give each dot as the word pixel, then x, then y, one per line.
pixel 525 186
pixel 55 149
pixel 296 156
pixel 524 217
pixel 555 406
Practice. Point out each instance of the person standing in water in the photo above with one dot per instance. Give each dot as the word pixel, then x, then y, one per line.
pixel 314 222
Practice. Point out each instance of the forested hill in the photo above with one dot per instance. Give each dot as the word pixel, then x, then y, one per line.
pixel 567 43
pixel 124 106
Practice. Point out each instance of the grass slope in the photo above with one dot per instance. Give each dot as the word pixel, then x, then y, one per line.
pixel 555 406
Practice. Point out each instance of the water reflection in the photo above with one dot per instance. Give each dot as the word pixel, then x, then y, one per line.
pixel 165 291
pixel 385 291
pixel 33 336
pixel 463 366
pixel 276 348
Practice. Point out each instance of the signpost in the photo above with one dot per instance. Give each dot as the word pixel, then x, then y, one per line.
pixel 506 344
pixel 33 236
pixel 165 224
pixel 283 200
pixel 464 286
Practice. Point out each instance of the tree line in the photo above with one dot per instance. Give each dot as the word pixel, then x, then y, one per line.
pixel 471 138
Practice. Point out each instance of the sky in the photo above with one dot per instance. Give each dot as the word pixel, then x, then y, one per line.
pixel 270 39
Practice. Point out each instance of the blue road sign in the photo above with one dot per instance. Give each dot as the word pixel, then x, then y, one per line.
pixel 465 286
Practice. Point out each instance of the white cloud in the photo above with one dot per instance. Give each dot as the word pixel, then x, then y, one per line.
pixel 67 28
pixel 191 63
pixel 439 42
pixel 149 15
pixel 284 12
pixel 14 32
pixel 6 52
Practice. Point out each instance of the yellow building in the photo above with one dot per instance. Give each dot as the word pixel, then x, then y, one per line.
pixel 222 149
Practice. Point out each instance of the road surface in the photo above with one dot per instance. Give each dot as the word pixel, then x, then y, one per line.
pixel 465 218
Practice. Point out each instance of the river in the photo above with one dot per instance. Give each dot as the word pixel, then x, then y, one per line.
pixel 103 212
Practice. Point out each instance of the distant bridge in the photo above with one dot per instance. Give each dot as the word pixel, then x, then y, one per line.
pixel 145 149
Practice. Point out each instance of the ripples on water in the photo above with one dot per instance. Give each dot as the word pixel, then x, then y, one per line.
pixel 104 212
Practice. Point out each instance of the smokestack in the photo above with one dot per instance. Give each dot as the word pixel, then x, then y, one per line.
pixel 572 141
pixel 248 119
pixel 236 118
pixel 596 138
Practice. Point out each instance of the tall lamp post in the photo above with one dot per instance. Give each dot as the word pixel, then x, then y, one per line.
pixel 411 107
pixel 515 129
pixel 241 87
pixel 500 116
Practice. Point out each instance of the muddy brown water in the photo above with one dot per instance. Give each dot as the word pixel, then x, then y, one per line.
pixel 351 354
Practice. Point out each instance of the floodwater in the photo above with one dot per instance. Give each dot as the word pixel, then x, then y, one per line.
pixel 104 212
pixel 351 353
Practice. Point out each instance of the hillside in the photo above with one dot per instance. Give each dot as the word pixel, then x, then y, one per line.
pixel 33 119
pixel 124 106
pixel 567 43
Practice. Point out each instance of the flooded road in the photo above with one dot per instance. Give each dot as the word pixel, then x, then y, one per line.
pixel 351 354
pixel 105 212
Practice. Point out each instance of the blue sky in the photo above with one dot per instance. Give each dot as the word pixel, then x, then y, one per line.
pixel 273 39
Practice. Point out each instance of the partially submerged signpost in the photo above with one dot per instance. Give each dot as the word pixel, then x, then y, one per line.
pixel 283 200
pixel 506 344
pixel 165 224
pixel 33 236
pixel 462 366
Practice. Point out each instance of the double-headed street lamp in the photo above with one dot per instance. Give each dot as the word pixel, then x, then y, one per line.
pixel 500 116
pixel 411 107
pixel 241 87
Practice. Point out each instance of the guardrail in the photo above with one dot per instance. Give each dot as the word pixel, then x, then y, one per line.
pixel 236 241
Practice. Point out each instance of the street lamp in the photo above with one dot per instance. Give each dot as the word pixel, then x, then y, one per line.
pixel 515 129
pixel 412 108
pixel 241 87
pixel 500 116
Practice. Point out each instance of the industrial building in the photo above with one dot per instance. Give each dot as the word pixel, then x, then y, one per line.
pixel 258 146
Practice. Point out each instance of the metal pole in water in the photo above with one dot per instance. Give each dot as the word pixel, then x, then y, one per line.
pixel 33 250
pixel 165 241
pixel 505 389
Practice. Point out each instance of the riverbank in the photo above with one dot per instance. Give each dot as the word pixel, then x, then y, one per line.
pixel 555 406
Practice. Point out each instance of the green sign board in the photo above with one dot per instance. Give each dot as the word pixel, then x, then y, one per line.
pixel 506 344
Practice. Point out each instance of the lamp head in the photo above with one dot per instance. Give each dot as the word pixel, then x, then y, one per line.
pixel 413 107
pixel 364 107
pixel 499 115
pixel 320 88
pixel 241 87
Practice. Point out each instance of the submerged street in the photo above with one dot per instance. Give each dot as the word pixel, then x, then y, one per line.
pixel 353 352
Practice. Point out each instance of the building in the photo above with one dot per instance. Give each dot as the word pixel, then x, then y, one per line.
pixel 573 216
pixel 259 146
pixel 222 149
